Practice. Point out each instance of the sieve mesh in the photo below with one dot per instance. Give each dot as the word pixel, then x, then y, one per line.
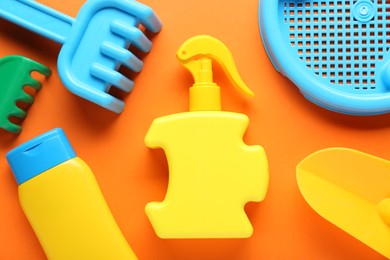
pixel 334 42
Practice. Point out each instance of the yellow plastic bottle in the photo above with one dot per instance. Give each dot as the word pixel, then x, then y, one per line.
pixel 212 173
pixel 63 203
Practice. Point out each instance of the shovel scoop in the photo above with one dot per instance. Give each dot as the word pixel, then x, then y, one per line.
pixel 350 189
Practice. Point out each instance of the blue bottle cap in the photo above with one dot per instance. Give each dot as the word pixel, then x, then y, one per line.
pixel 39 155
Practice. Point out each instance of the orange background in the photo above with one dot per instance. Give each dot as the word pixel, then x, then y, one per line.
pixel 281 120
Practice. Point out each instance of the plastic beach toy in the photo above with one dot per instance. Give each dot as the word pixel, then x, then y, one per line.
pixel 335 52
pixel 212 172
pixel 95 44
pixel 63 202
pixel 15 75
pixel 351 190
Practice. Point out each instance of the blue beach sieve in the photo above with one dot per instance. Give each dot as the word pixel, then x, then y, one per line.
pixel 335 52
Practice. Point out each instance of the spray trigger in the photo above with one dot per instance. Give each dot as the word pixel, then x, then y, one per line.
pixel 196 54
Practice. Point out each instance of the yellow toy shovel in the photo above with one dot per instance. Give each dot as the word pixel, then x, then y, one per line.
pixel 350 189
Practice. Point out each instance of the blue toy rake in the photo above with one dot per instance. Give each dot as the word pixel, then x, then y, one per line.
pixel 95 44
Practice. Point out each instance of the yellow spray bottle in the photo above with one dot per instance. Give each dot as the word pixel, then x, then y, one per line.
pixel 213 174
pixel 63 203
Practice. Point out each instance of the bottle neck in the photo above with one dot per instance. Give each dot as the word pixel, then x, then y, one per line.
pixel 205 97
pixel 204 94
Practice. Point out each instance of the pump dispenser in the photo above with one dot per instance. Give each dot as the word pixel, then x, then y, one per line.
pixel 196 55
pixel 213 174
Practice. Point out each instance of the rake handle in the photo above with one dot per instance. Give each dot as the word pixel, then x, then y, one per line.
pixel 38 18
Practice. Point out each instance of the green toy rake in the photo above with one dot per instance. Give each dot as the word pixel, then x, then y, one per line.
pixel 15 75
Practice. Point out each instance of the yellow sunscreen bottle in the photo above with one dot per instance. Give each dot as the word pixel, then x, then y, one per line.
pixel 63 203
pixel 212 172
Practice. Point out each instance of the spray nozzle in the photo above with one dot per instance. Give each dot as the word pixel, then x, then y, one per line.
pixel 196 54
